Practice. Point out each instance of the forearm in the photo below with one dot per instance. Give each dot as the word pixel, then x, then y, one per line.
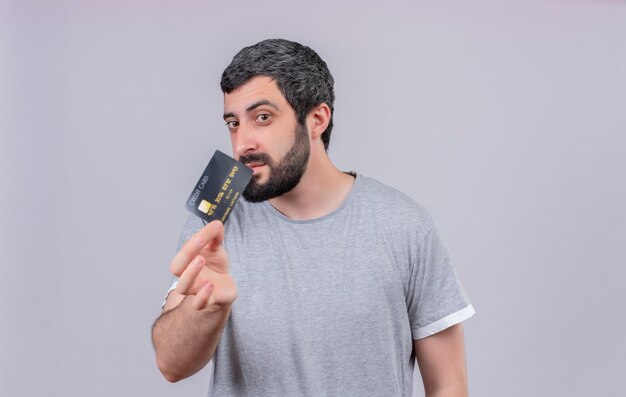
pixel 185 339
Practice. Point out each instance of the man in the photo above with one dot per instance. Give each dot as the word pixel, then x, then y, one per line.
pixel 322 283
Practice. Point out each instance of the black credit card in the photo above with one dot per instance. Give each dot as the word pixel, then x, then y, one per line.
pixel 219 188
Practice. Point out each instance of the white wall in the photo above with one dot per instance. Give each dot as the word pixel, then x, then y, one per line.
pixel 505 118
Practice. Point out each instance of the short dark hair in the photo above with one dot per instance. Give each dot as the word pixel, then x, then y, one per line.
pixel 299 72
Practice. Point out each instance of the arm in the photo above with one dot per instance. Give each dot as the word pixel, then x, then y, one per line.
pixel 187 332
pixel 441 359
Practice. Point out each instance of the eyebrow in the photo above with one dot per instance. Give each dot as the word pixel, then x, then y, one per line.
pixel 254 106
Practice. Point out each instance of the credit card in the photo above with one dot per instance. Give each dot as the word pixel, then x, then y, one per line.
pixel 219 188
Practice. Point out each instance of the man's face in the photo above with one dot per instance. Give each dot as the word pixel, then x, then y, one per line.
pixel 265 136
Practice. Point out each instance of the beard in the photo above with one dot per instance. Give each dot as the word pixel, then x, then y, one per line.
pixel 285 175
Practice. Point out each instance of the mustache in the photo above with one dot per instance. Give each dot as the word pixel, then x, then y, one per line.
pixel 256 158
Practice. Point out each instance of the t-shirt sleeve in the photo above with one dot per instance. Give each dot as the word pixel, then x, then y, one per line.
pixel 436 299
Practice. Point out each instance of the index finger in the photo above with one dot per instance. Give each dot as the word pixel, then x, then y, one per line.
pixel 210 234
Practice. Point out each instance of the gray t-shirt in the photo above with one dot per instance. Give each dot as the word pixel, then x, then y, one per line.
pixel 331 306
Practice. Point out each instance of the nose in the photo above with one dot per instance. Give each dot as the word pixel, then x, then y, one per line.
pixel 244 140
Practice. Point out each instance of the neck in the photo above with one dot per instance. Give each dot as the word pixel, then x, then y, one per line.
pixel 321 190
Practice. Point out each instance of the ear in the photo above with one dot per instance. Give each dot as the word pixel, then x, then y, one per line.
pixel 318 120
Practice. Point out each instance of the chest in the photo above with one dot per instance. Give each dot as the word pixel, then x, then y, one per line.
pixel 325 276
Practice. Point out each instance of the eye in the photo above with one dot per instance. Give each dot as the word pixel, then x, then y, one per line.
pixel 263 118
pixel 232 124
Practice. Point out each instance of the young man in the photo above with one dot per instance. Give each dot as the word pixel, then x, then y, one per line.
pixel 322 283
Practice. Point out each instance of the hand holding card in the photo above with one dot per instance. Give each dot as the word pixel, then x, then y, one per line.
pixel 201 266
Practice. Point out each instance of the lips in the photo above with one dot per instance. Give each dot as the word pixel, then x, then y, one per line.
pixel 255 161
pixel 255 166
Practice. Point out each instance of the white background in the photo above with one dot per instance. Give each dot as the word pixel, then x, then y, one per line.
pixel 506 119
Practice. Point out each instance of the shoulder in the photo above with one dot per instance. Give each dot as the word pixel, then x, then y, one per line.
pixel 392 206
